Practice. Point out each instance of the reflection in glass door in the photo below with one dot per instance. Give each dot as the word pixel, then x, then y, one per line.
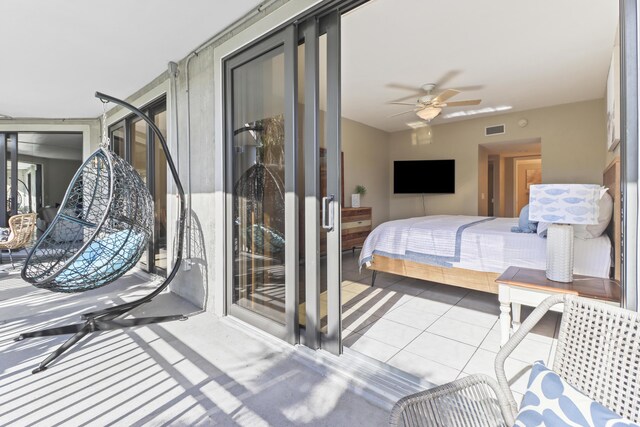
pixel 260 135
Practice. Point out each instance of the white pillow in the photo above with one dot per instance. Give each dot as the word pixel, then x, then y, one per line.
pixel 592 231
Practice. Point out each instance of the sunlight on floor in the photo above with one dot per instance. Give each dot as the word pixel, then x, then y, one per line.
pixel 434 333
pixel 202 371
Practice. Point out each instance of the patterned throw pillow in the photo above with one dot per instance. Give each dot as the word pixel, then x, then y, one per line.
pixel 551 401
pixel 4 233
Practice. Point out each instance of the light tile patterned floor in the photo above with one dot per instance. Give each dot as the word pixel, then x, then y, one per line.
pixel 201 372
pixel 434 332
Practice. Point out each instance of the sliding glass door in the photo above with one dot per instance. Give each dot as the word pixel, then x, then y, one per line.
pixel 283 209
pixel 262 221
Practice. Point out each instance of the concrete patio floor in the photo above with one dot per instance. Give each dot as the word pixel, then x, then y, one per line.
pixel 203 371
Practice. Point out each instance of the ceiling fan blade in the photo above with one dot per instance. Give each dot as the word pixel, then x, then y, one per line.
pixel 412 96
pixel 404 112
pixel 462 103
pixel 469 88
pixel 416 92
pixel 447 76
pixel 404 87
pixel 401 103
pixel 445 95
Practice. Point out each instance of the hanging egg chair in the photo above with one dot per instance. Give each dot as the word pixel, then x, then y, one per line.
pixel 100 232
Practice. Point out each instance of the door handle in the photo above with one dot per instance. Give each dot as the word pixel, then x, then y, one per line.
pixel 327 212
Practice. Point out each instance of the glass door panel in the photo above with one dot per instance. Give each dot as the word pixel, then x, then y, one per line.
pixel 139 148
pixel 118 141
pixel 160 196
pixel 138 137
pixel 259 174
pixel 261 182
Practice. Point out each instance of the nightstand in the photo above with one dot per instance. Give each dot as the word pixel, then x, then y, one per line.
pixel 356 226
pixel 525 286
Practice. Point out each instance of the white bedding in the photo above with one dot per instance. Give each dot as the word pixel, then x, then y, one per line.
pixel 485 245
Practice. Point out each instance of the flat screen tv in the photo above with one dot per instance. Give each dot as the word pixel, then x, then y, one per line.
pixel 424 176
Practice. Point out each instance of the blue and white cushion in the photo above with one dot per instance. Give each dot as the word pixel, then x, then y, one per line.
pixel 524 225
pixel 551 401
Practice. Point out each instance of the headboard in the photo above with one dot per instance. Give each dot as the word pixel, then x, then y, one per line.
pixel 611 180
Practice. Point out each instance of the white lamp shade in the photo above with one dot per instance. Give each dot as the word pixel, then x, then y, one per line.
pixel 565 203
pixel 428 113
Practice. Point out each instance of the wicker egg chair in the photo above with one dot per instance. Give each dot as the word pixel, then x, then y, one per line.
pixel 101 230
pixel 99 233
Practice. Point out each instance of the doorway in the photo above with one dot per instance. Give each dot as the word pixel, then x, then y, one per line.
pixel 511 167
pixel 528 171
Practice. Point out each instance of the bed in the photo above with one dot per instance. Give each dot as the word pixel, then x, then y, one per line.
pixel 471 252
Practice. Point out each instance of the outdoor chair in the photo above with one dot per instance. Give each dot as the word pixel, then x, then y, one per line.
pixel 598 353
pixel 22 227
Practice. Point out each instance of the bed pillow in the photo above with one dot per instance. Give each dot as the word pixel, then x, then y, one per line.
pixel 605 212
pixel 551 401
pixel 524 225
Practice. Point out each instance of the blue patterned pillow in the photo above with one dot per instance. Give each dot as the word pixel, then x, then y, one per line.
pixel 550 401
pixel 524 225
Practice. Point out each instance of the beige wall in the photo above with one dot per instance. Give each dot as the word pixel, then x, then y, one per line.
pixel 366 162
pixel 572 137
pixel 572 142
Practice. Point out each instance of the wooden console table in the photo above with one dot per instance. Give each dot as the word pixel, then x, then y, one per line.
pixel 525 286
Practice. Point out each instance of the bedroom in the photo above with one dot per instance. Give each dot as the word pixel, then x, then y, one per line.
pixel 546 81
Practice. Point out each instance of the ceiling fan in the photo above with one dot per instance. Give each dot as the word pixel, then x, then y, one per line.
pixel 428 106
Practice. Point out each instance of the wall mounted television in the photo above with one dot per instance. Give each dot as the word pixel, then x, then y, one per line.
pixel 424 176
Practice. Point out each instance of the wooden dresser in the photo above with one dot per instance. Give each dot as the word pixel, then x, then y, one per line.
pixel 356 226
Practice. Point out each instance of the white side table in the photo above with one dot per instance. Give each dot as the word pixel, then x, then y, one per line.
pixel 525 286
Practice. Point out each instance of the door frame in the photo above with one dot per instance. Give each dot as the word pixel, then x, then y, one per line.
pixel 517 161
pixel 629 153
pixel 126 123
pixel 287 39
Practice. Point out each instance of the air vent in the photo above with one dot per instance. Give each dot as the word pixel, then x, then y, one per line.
pixel 494 130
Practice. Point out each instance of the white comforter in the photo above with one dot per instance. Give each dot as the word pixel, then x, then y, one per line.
pixel 484 244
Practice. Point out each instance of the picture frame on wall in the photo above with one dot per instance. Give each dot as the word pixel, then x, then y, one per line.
pixel 613 102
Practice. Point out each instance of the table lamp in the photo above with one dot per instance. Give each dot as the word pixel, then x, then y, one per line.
pixel 562 205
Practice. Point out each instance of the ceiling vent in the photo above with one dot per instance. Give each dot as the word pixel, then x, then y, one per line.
pixel 494 130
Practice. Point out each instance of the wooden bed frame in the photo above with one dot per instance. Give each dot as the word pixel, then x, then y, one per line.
pixel 483 281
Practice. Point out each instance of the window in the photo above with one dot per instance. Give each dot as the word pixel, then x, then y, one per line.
pixel 133 140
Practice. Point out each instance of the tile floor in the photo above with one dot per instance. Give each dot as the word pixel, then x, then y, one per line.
pixel 435 333
pixel 201 372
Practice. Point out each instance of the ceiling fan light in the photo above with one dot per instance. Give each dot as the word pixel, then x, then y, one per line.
pixel 428 113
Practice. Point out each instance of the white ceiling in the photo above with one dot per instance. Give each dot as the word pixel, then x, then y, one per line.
pixel 527 54
pixel 67 146
pixel 524 54
pixel 56 53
